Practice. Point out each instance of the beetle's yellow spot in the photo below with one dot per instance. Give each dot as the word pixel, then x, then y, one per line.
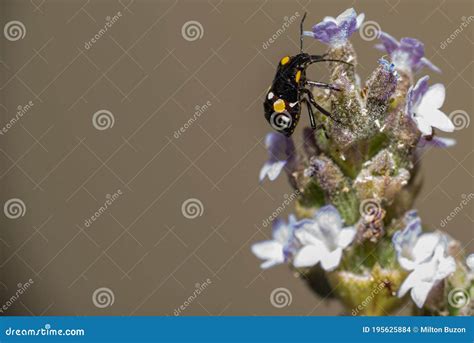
pixel 285 60
pixel 298 76
pixel 279 105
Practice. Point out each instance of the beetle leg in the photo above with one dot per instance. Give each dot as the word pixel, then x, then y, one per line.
pixel 320 109
pixel 323 85
pixel 320 58
pixel 310 113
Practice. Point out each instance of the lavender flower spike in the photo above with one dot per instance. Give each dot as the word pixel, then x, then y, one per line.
pixel 408 54
pixel 281 151
pixel 355 180
pixel 336 31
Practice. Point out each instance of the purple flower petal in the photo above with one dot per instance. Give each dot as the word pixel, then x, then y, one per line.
pixel 413 227
pixel 414 49
pixel 281 231
pixel 277 225
pixel 281 151
pixel 337 31
pixel 409 234
pixel 389 43
pixel 411 216
pixel 326 31
pixel 415 93
pixel 279 147
pixel 380 47
pixel 302 223
pixel 291 245
pixel 408 54
pixel 347 21
pixel 436 142
pixel 424 62
pixel 284 233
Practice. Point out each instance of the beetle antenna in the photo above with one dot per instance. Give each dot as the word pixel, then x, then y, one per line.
pixel 301 32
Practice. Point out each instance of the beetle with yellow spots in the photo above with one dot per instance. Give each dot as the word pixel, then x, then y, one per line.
pixel 290 89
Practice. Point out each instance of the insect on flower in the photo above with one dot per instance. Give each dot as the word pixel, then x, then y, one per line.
pixel 289 91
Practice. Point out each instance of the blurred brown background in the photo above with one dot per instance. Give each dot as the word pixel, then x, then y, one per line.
pixel 150 79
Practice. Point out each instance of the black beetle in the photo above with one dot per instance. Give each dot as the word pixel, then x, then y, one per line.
pixel 289 90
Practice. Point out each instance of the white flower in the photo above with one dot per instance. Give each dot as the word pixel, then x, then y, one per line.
pixel 276 250
pixel 411 246
pixel 425 275
pixel 323 239
pixel 424 255
pixel 423 106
